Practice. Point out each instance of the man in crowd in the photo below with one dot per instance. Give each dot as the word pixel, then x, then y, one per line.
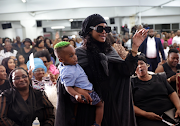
pixel 18 44
pixel 176 39
pixel 126 29
pixel 65 38
pixel 151 47
pixel 4 84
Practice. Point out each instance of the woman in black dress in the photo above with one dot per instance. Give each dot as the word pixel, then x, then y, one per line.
pixel 170 67
pixel 27 50
pixel 152 96
pixel 109 75
pixel 47 44
pixel 20 105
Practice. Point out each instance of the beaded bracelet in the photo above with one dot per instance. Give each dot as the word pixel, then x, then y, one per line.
pixel 134 51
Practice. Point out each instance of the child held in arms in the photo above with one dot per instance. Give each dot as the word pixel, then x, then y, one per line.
pixel 75 79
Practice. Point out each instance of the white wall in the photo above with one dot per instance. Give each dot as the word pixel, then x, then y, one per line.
pixel 161 19
pixel 7 33
pixel 19 32
pixel 41 5
pixel 16 30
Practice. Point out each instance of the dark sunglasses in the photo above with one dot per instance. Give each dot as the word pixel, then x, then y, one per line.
pixel 100 29
pixel 45 61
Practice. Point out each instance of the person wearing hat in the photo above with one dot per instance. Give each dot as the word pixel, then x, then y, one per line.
pixel 39 80
pixel 65 38
pixel 27 50
pixel 109 74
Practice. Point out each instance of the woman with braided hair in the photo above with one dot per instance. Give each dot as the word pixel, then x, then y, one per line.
pixel 109 74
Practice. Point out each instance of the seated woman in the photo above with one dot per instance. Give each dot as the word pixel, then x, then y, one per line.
pixel 4 83
pixel 170 67
pixel 27 50
pixel 39 45
pixel 9 64
pixel 72 42
pixel 20 105
pixel 45 57
pixel 38 78
pixel 21 61
pixel 48 45
pixel 152 96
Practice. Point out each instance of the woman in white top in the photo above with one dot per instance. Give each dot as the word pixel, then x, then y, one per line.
pixel 8 51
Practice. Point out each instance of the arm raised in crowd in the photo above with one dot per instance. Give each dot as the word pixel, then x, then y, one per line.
pixel 129 65
pixel 56 39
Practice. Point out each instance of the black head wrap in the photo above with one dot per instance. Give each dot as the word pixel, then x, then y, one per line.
pixel 91 20
pixel 142 57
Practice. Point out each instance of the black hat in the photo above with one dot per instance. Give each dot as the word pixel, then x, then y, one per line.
pixel 65 36
pixel 27 40
pixel 91 20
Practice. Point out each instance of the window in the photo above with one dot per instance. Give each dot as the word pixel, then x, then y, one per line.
pixel 150 26
pixel 165 26
pixel 175 26
pixel 158 26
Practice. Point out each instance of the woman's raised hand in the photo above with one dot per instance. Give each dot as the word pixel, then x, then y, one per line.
pixel 139 37
pixel 30 72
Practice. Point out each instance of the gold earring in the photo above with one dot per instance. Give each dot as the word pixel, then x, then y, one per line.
pixel 148 65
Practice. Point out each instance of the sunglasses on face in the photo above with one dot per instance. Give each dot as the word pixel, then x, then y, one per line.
pixel 100 29
pixel 45 61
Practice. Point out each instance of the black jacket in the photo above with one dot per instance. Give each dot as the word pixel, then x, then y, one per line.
pixel 17 112
pixel 116 93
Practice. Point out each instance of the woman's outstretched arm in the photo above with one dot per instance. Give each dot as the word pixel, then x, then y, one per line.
pixel 148 115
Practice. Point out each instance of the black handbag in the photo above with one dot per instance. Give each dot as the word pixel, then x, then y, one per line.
pixel 169 116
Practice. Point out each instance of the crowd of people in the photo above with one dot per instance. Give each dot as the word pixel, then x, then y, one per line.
pixel 91 74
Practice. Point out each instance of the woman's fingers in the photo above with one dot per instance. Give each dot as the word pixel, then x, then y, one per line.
pixel 177 114
pixel 158 117
pixel 143 32
pixel 153 116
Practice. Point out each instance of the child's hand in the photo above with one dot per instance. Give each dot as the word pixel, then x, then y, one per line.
pixel 88 98
pixel 79 98
pixel 85 93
